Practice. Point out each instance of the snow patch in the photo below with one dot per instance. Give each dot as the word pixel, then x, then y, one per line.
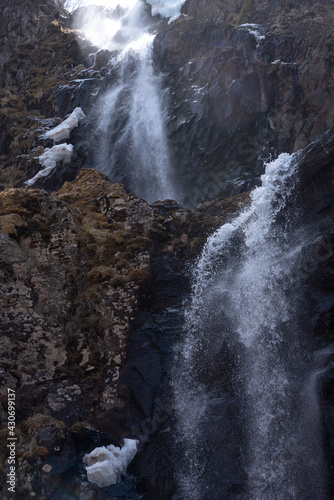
pixel 249 25
pixel 253 29
pixel 197 90
pixel 278 61
pixel 169 8
pixel 105 465
pixel 49 159
pixel 64 129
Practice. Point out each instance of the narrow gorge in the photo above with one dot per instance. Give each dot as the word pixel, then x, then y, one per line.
pixel 167 250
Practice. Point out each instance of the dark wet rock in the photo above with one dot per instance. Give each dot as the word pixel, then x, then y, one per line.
pixel 45 75
pixel 92 282
pixel 93 279
pixel 317 173
pixel 239 94
pixel 242 94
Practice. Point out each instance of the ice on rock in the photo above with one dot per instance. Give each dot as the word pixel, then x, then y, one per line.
pixel 253 29
pixel 105 465
pixel 49 159
pixel 168 8
pixel 64 129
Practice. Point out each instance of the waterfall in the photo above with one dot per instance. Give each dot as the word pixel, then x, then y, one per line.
pixel 132 140
pixel 244 374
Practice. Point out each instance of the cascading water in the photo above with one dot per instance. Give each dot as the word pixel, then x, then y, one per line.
pixel 134 144
pixel 131 132
pixel 244 375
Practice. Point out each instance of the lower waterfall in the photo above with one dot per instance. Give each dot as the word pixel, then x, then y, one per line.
pixel 245 373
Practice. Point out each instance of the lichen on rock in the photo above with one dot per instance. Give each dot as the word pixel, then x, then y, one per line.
pixel 76 273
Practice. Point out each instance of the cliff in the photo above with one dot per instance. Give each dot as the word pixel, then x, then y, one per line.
pixel 92 284
pixel 248 81
pixel 40 84
pixel 92 287
pixel 93 279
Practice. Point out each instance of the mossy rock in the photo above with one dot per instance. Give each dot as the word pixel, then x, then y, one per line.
pixel 36 422
pixel 10 223
pixel 20 201
pixel 100 274
pixel 139 276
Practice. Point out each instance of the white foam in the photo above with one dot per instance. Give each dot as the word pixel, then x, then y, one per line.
pixel 105 465
pixel 64 129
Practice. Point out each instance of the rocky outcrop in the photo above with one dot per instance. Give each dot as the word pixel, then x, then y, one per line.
pixel 44 77
pixel 93 279
pixel 19 23
pixel 248 80
pixel 93 282
pixel 91 297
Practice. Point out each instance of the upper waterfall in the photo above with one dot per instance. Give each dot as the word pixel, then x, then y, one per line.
pixel 169 8
pixel 132 112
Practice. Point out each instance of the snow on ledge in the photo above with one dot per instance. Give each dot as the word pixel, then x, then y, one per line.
pixel 168 8
pixel 64 129
pixel 253 30
pixel 105 465
pixel 49 159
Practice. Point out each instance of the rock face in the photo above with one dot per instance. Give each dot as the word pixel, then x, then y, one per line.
pixel 89 279
pixel 247 80
pixel 41 81
pixel 93 279
pixel 19 23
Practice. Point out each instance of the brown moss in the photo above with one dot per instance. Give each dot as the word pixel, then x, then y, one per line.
pixel 119 281
pixel 41 451
pixel 10 222
pixel 245 14
pixel 20 201
pixel 121 264
pixel 119 236
pixel 89 296
pixel 139 276
pixel 85 189
pixel 33 424
pixel 79 426
pixel 100 274
pixel 140 243
pixel 21 131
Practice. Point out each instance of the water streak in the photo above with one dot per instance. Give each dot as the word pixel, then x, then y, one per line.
pixel 133 146
pixel 248 303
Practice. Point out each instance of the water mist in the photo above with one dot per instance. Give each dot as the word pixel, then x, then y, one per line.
pixel 131 125
pixel 249 304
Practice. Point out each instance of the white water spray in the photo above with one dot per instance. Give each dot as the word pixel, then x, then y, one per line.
pixel 133 146
pixel 247 304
